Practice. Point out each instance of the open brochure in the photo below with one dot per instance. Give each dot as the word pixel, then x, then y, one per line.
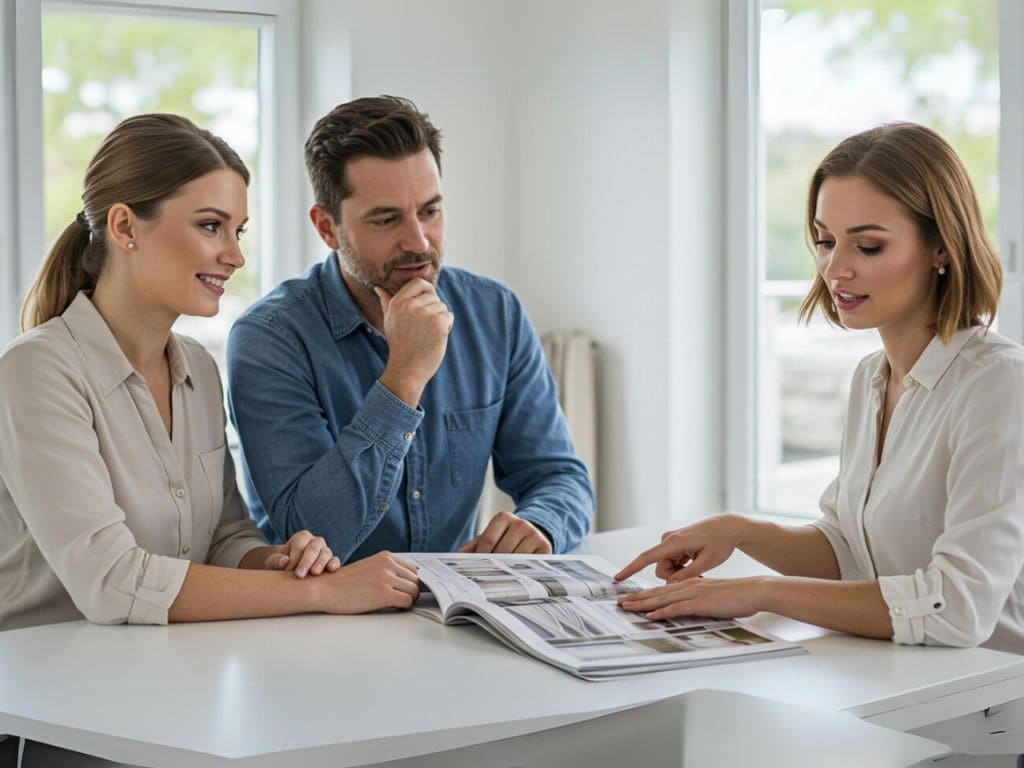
pixel 562 609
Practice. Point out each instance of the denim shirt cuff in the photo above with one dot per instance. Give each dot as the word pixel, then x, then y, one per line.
pixel 386 420
pixel 549 522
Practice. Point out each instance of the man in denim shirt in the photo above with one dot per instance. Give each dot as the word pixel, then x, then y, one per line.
pixel 370 392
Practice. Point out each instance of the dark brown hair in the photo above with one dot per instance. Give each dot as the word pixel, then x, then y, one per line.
pixel 145 160
pixel 919 169
pixel 387 127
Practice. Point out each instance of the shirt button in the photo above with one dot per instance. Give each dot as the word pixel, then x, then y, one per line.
pixel 384 507
pixel 179 492
pixel 409 436
pixel 908 381
pixel 416 494
pixel 186 549
pixel 897 611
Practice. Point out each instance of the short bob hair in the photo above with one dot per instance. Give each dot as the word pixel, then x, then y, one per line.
pixel 918 168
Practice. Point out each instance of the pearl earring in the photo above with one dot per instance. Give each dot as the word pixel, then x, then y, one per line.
pixel 942 269
pixel 131 246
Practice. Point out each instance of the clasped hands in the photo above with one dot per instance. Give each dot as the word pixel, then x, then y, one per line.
pixel 681 559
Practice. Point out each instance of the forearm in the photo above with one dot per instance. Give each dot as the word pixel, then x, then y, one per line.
pixel 340 490
pixel 789 550
pixel 210 593
pixel 854 607
pixel 343 496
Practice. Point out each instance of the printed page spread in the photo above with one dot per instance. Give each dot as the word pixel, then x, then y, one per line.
pixel 562 609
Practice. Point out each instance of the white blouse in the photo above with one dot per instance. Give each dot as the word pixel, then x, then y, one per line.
pixel 100 510
pixel 939 522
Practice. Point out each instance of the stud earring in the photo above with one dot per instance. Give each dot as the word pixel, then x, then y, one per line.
pixel 942 269
pixel 131 246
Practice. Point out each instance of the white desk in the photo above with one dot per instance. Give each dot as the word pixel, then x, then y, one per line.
pixel 344 691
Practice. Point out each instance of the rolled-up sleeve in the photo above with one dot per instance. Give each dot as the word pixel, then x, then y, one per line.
pixel 60 486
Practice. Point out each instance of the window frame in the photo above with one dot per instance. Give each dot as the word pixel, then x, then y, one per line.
pixel 1011 167
pixel 8 214
pixel 281 195
pixel 744 230
pixel 742 220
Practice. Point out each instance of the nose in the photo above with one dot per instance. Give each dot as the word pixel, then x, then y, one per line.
pixel 232 255
pixel 414 237
pixel 835 265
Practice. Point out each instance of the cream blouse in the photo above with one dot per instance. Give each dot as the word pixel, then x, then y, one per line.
pixel 100 510
pixel 940 521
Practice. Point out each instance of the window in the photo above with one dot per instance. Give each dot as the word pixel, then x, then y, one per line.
pixel 825 69
pixel 80 67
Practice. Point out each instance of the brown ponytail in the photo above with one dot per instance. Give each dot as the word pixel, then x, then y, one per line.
pixel 142 162
pixel 72 265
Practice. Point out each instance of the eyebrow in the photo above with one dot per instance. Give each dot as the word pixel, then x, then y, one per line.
pixel 218 212
pixel 383 209
pixel 855 230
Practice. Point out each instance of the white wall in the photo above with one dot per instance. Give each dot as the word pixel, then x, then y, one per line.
pixel 581 167
pixel 450 57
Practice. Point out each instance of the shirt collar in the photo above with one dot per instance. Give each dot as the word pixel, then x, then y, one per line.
pixel 343 314
pixel 181 373
pixel 933 362
pixel 103 354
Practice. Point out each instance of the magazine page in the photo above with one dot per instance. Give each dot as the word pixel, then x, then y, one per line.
pixel 563 609
pixel 474 578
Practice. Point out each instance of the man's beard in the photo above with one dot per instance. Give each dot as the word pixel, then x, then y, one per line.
pixel 369 275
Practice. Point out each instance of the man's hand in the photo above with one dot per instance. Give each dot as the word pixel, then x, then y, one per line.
pixel 508 533
pixel 416 325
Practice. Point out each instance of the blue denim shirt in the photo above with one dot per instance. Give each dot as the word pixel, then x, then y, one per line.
pixel 327 448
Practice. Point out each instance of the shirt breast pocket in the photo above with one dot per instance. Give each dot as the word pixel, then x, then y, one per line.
pixel 471 441
pixel 213 500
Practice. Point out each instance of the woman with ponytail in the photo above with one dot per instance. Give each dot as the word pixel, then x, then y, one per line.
pixel 118 500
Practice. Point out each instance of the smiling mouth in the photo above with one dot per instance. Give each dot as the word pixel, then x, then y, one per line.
pixel 848 297
pixel 217 282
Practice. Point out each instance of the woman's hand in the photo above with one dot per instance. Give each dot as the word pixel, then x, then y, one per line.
pixel 689 551
pixel 303 553
pixel 716 598
pixel 379 581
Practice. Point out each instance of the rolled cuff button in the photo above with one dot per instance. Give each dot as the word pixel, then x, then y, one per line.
pixel 409 436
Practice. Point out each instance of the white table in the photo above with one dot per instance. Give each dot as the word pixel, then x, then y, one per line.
pixel 345 691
